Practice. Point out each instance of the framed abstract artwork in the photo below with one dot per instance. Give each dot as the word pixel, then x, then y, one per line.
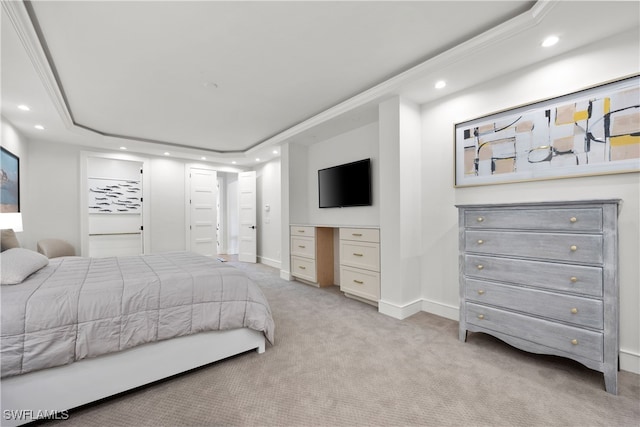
pixel 10 182
pixel 591 132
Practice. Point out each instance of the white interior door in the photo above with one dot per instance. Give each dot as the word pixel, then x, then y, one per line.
pixel 114 204
pixel 203 211
pixel 247 205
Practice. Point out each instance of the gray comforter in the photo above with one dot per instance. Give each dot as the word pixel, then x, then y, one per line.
pixel 76 308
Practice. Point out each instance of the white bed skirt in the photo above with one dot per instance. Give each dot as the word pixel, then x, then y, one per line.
pixel 43 393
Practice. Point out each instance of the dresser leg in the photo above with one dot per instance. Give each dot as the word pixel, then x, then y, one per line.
pixel 611 382
pixel 463 335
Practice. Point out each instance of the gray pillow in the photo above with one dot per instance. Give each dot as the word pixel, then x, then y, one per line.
pixel 18 263
pixel 8 239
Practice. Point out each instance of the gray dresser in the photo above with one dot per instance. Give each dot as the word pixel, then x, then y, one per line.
pixel 543 277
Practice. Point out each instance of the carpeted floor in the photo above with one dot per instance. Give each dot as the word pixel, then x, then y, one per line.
pixel 338 362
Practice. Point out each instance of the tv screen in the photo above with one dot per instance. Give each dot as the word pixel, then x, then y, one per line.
pixel 345 185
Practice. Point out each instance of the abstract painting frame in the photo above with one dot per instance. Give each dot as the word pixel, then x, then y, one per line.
pixel 10 182
pixel 594 131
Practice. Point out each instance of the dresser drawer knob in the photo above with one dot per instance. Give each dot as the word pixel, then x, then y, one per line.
pixel 480 292
pixel 301 246
pixel 480 316
pixel 300 231
pixel 303 267
pixel 359 282
pixel 480 266
pixel 356 234
pixel 480 219
pixel 574 341
pixel 356 254
pixel 480 241
pixel 574 311
pixel 573 219
pixel 573 248
pixel 573 279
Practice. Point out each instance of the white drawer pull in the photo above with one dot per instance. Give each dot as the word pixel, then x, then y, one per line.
pixel 480 316
pixel 359 282
pixel 574 311
pixel 573 279
pixel 358 254
pixel 573 219
pixel 480 219
pixel 480 241
pixel 356 234
pixel 574 341
pixel 573 248
pixel 480 266
pixel 480 292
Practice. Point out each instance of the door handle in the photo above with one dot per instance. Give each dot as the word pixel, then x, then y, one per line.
pixel 253 227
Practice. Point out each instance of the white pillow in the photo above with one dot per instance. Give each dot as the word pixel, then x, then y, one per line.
pixel 18 263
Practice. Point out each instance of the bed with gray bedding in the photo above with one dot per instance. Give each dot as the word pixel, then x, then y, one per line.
pixel 77 308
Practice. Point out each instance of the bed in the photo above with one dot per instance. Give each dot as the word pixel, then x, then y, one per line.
pixel 75 330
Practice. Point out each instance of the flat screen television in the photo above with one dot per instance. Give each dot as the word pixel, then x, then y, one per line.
pixel 345 185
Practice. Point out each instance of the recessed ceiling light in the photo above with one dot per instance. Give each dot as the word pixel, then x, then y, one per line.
pixel 24 107
pixel 166 153
pixel 39 127
pixel 440 84
pixel 203 158
pixel 550 41
pixel 275 151
pixel 257 159
pixel 123 148
pixel 234 162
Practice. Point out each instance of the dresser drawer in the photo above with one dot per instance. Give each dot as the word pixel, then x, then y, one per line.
pixel 578 219
pixel 566 308
pixel 360 234
pixel 360 254
pixel 362 283
pixel 569 339
pixel 303 246
pixel 576 279
pixel 583 248
pixel 299 230
pixel 303 268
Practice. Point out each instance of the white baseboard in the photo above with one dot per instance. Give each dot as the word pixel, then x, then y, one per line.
pixel 286 275
pixel 270 262
pixel 629 361
pixel 397 311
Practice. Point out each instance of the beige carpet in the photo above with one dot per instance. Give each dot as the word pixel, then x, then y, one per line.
pixel 338 362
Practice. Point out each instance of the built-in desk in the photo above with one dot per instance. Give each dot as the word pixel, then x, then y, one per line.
pixel 313 259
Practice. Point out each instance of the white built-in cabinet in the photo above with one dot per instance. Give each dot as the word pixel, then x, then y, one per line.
pixel 313 259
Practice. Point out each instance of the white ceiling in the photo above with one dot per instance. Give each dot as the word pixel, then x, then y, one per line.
pixel 232 80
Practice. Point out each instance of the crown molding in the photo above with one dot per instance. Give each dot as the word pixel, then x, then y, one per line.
pixel 19 16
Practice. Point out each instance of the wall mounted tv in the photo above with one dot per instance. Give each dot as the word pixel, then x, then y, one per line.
pixel 345 185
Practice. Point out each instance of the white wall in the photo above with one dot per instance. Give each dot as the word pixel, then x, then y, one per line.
pixel 358 144
pixel 269 221
pixel 16 143
pixel 608 60
pixel 167 197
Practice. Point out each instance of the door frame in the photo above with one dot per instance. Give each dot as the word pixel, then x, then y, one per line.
pixel 84 196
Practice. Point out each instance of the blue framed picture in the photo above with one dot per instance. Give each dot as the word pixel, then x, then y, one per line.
pixel 10 182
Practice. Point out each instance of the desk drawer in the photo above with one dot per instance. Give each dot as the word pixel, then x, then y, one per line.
pixel 303 246
pixel 300 230
pixel 572 340
pixel 571 309
pixel 360 255
pixel 362 283
pixel 360 234
pixel 569 219
pixel 583 248
pixel 577 279
pixel 303 268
